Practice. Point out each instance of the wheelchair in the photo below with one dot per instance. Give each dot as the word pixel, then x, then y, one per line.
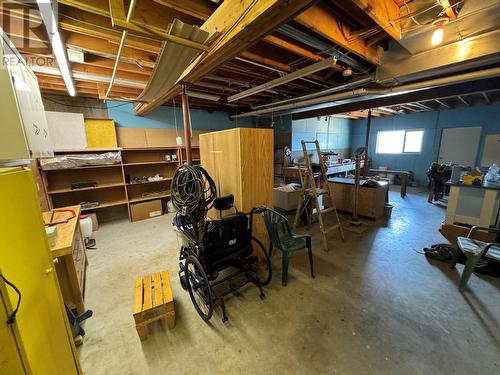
pixel 211 262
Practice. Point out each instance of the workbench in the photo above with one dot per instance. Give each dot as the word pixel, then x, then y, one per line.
pixel 69 255
pixel 371 200
pixel 293 171
pixel 473 204
pixel 403 175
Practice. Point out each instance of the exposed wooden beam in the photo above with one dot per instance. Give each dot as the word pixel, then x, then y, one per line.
pixel 384 13
pixel 242 22
pixel 200 9
pixel 320 20
pixel 146 12
pixel 274 40
pixel 108 49
pixel 116 10
pixel 450 12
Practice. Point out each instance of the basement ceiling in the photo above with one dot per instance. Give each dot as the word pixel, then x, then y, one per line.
pixel 365 37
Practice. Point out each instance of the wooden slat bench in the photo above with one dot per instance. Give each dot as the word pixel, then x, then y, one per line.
pixel 153 301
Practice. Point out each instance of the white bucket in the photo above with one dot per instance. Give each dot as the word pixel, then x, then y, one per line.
pixel 86 227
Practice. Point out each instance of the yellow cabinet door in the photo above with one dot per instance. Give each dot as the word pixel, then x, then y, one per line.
pixel 12 356
pixel 25 261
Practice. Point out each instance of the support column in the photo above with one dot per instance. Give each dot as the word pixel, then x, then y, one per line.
pixel 367 139
pixel 187 126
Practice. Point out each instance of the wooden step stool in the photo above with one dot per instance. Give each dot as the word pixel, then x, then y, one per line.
pixel 153 301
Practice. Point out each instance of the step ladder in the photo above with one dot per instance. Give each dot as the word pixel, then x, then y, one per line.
pixel 314 186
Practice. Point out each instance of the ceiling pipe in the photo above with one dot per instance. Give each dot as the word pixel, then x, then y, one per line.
pixel 346 86
pixel 308 70
pixel 437 82
pixel 120 47
pixel 275 70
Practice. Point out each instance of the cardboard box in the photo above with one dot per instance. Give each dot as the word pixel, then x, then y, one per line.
pixel 286 200
pixel 145 210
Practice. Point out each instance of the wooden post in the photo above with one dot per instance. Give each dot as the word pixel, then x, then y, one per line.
pixel 367 139
pixel 187 126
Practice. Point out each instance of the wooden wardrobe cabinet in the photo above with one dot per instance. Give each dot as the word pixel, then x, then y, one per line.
pixel 240 161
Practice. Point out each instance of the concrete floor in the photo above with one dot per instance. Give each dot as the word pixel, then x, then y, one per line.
pixel 376 306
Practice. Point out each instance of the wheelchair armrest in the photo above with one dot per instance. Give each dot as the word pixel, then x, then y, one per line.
pixel 487 247
pixel 486 229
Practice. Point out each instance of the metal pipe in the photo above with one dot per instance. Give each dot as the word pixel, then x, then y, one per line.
pixel 367 140
pixel 437 82
pixel 350 85
pixel 187 126
pixel 274 69
pixel 310 69
pixel 120 47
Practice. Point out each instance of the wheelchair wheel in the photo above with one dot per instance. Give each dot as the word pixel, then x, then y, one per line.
pixel 263 264
pixel 199 288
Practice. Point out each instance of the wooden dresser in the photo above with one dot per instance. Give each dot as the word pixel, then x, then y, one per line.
pixel 69 250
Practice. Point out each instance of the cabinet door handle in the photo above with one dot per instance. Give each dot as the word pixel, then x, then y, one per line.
pixel 49 270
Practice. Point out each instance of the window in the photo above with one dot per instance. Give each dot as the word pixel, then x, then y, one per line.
pixel 399 141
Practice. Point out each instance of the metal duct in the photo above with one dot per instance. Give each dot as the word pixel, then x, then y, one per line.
pixel 347 86
pixel 305 38
pixel 487 73
pixel 173 60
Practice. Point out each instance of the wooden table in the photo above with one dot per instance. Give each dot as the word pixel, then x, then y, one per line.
pixel 70 255
pixel 371 200
pixel 404 178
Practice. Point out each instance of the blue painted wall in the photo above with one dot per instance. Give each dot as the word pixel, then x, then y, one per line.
pixel 332 133
pixel 488 117
pixel 164 117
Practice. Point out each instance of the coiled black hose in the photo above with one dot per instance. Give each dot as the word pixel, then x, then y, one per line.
pixel 192 191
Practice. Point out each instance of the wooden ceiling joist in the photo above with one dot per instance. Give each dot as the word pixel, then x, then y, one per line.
pixel 242 23
pixel 385 13
pixel 108 49
pixel 319 19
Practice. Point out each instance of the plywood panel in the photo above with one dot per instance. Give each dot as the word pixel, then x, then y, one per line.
pixel 241 163
pixel 160 137
pixel 67 130
pixel 101 133
pixel 257 170
pixel 131 137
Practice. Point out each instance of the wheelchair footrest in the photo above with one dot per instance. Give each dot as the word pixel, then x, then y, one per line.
pixel 153 301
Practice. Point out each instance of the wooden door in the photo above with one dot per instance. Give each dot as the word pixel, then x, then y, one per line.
pixel 26 262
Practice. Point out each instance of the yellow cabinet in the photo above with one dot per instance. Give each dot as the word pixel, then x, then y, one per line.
pixel 240 161
pixel 25 261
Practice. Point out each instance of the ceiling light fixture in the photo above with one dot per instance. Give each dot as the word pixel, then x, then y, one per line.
pixel 437 37
pixel 49 20
pixel 347 72
pixel 203 95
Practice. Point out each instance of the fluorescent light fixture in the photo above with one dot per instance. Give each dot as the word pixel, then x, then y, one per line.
pixel 202 95
pixel 437 37
pixel 49 20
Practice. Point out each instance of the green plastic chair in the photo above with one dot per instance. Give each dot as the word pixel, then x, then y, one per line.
pixel 283 239
pixel 475 250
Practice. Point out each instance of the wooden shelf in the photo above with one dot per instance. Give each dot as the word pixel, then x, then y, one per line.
pixel 152 162
pixel 90 150
pixel 150 182
pixel 149 148
pixel 101 186
pixel 86 167
pixel 148 198
pixel 106 204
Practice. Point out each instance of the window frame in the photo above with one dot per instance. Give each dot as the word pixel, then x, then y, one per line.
pixel 403 152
